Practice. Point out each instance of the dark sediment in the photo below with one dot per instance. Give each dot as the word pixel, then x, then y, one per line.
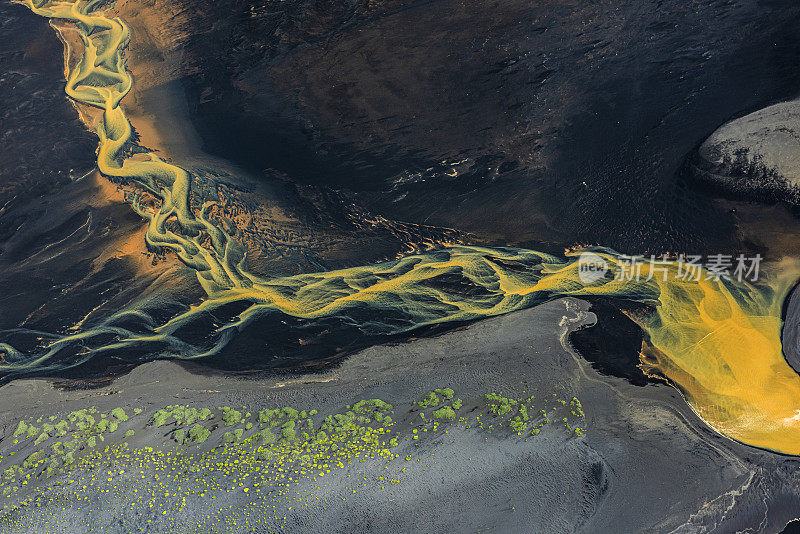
pixel 612 345
pixel 560 122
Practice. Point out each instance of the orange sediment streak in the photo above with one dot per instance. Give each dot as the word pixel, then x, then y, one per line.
pixel 718 341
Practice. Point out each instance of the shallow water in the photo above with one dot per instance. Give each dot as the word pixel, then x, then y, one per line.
pixel 717 341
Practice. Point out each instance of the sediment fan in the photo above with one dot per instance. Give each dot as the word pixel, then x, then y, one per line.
pixel 717 340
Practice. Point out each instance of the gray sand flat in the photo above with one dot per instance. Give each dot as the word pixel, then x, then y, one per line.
pixel 645 463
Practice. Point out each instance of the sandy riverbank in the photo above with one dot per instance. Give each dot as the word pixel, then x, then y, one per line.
pixel 641 460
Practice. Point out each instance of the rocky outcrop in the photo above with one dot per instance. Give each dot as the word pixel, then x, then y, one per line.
pixel 757 156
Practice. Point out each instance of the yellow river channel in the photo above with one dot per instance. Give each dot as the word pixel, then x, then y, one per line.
pixel 718 341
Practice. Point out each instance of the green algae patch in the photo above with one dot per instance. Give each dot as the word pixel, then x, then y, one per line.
pixel 445 393
pixel 198 433
pixel 439 396
pixel 85 430
pixel 430 400
pixel 231 417
pixel 577 408
pixel 62 427
pixel 22 428
pixel 288 431
pixel 181 415
pixel 259 453
pixel 267 437
pixel 445 413
pixel 499 405
pixel 518 413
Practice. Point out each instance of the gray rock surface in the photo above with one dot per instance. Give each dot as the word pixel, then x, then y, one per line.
pixel 790 336
pixel 758 153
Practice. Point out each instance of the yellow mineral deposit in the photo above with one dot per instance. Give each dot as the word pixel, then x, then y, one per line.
pixel 717 341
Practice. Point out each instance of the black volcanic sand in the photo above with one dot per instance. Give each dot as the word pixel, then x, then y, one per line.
pixel 61 235
pixel 554 122
pixel 551 124
pixel 72 252
pixel 790 332
pixel 612 345
pixel 374 103
pixel 645 463
pixel 277 344
pixel 44 144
